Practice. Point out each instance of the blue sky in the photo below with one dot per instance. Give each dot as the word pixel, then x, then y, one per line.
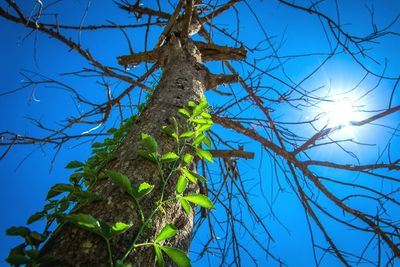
pixel 26 175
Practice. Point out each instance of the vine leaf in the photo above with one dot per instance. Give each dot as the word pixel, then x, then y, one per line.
pixel 86 221
pixel 189 175
pixel 35 217
pixel 149 142
pixel 97 145
pixel 198 139
pixel 18 231
pixel 159 256
pixel 84 196
pixel 202 121
pixel 168 157
pixel 181 184
pixel 204 154
pixel 197 111
pixel 176 125
pixel 74 164
pixel 204 127
pixel 185 205
pixel 119 228
pixel 200 200
pixel 184 112
pixel 18 260
pixel 178 256
pixel 192 176
pixel 187 134
pixel 187 158
pixel 169 131
pixel 121 264
pixel 122 181
pixel 142 190
pixel 205 115
pixel 168 231
pixel 152 156
pixel 207 141
pixel 57 189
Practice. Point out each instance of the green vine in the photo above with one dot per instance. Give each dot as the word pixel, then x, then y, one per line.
pixel 188 137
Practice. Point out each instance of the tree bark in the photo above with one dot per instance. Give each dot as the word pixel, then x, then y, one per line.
pixel 183 79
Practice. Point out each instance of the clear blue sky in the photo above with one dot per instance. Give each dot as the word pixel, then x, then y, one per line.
pixel 25 171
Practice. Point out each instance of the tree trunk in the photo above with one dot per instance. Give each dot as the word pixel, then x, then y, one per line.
pixel 183 79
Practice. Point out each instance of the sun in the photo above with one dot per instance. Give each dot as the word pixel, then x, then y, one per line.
pixel 340 111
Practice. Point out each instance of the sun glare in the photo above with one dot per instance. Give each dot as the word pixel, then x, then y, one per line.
pixel 340 111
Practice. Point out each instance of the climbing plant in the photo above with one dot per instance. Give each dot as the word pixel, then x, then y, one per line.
pixel 65 200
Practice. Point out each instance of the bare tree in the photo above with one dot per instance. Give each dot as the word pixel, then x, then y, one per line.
pixel 303 126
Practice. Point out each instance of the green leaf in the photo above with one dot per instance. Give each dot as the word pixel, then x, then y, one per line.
pixel 204 127
pixel 105 231
pixel 187 158
pixel 89 174
pixel 181 184
pixel 63 205
pixel 203 102
pixel 200 121
pixel 167 130
pixel 85 196
pixel 97 145
pixel 189 175
pixel 18 260
pixel 204 154
pixel 192 176
pixel 112 130
pixel 143 189
pixel 176 126
pixel 122 181
pixel 33 253
pixel 18 231
pixel 108 142
pixel 197 111
pixel 120 263
pixel 18 250
pixel 149 142
pixel 58 189
pixel 38 237
pixel 184 112
pixel 119 228
pixel 198 139
pixel 178 256
pixel 35 217
pixel 192 104
pixel 207 141
pixel 168 157
pixel 86 221
pixel 74 164
pixel 159 256
pixel 187 134
pixel 152 156
pixel 185 205
pixel 200 200
pixel 205 115
pixel 168 231
pixel 75 177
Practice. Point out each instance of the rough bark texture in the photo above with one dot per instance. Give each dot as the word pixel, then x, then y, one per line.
pixel 183 80
pixel 209 52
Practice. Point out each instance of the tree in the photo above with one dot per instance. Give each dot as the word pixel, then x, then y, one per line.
pixel 266 104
